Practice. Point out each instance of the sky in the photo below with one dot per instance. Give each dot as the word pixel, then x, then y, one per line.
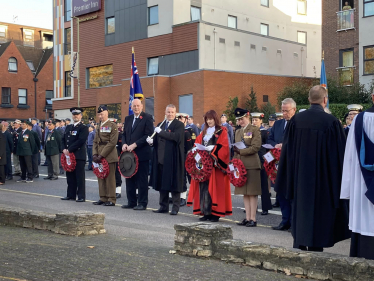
pixel 36 13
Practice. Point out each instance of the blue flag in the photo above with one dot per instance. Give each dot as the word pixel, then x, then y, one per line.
pixel 136 91
pixel 323 81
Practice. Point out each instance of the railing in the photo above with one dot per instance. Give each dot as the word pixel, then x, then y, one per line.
pixel 346 75
pixel 346 19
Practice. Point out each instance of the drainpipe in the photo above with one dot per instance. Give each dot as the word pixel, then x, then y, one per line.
pixel 36 106
pixel 302 66
pixel 214 31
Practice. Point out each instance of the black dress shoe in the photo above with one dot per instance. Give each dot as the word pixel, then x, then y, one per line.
pixel 173 213
pixel 204 218
pixel 118 195
pixel 251 223
pixel 276 205
pixel 110 204
pixel 80 200
pixel 183 202
pixel 47 178
pixel 127 207
pixel 98 202
pixel 67 198
pixel 140 208
pixel 36 176
pixel 264 213
pixel 17 174
pixel 54 178
pixel 243 222
pixel 281 227
pixel 62 172
pixel 214 218
pixel 44 164
pixel 160 211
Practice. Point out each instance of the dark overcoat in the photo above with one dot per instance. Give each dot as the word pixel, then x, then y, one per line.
pixel 26 143
pixel 173 171
pixel 53 144
pixel 310 172
pixel 2 149
pixel 74 139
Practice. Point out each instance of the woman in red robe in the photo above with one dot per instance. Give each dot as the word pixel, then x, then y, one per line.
pixel 212 198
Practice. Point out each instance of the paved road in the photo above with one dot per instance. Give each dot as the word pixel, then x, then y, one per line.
pixel 145 225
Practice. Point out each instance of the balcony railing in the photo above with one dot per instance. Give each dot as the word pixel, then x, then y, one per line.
pixel 346 75
pixel 346 19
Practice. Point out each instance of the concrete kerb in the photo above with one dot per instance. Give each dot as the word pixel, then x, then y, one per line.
pixel 77 224
pixel 208 240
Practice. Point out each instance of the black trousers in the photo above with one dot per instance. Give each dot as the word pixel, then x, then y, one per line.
pixel 164 195
pixel 265 196
pixel 8 166
pixel 76 181
pixel 118 176
pixel 2 173
pixel 35 168
pixel 26 167
pixel 138 181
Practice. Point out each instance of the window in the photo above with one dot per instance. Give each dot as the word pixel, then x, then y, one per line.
pixel 67 41
pixel 28 37
pixel 343 6
pixel 346 67
pixel 301 7
pixel 368 60
pixel 67 84
pixel 99 76
pixel 67 10
pixel 5 95
pixel 30 65
pixel 231 22
pixel 186 104
pixel 150 106
pixel 301 37
pixel 153 15
pixel 195 13
pixel 346 58
pixel 264 29
pixel 368 8
pixel 152 66
pixel 265 3
pixel 22 96
pixel 12 65
pixel 48 37
pixel 265 98
pixel 48 99
pixel 2 31
pixel 110 25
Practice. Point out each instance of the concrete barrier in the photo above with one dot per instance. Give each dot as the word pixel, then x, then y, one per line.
pixel 216 241
pixel 77 224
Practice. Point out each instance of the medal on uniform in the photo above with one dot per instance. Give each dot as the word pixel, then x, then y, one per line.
pixel 73 133
pixel 105 129
pixel 25 137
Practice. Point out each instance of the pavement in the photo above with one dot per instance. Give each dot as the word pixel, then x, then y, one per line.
pixel 148 234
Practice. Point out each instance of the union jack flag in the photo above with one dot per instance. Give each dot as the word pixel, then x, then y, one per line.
pixel 136 91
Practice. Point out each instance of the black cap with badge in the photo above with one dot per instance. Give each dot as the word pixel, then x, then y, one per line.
pixel 240 113
pixel 102 108
pixel 76 110
pixel 272 117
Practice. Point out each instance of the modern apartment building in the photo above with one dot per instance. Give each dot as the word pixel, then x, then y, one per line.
pixel 348 41
pixel 193 53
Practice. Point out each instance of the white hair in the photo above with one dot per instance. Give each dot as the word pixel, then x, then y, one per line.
pixel 289 101
pixel 171 106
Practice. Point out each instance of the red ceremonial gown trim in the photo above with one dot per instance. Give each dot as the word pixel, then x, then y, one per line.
pixel 219 183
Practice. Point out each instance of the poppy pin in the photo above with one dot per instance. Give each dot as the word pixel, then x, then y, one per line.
pixel 169 131
pixel 141 117
pixel 216 136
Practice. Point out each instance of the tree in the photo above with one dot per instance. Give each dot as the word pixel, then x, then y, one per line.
pixel 251 102
pixel 267 109
pixel 232 104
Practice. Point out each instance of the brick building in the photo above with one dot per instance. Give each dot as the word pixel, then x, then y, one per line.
pixel 26 80
pixel 192 53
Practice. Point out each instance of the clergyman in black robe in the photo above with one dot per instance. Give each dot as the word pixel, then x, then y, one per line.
pixel 310 172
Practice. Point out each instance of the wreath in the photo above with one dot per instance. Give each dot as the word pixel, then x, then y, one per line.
pixel 199 165
pixel 68 163
pixel 237 173
pixel 272 167
pixel 101 170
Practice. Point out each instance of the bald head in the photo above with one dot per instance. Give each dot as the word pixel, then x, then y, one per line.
pixel 318 94
pixel 137 106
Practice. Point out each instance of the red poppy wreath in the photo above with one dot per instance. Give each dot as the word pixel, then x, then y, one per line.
pixel 68 163
pixel 272 167
pixel 237 173
pixel 101 170
pixel 199 165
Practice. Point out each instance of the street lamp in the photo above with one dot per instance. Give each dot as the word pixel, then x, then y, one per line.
pixel 78 72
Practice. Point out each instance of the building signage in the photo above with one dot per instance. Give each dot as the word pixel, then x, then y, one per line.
pixel 82 7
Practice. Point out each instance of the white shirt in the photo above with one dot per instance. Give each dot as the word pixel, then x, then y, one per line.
pixel 209 133
pixel 168 123
pixel 75 124
pixel 135 117
pixel 361 210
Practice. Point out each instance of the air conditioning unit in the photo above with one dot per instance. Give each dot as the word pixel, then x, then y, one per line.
pixel 264 48
pixel 207 37
pixel 222 40
pixel 237 43
pixel 253 46
pixel 295 55
pixel 279 51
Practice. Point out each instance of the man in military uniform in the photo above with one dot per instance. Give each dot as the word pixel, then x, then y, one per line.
pixel 53 148
pixel 353 109
pixel 279 115
pixel 67 121
pixel 104 146
pixel 25 148
pixel 16 133
pixel 35 153
pixel 74 141
pixel 272 119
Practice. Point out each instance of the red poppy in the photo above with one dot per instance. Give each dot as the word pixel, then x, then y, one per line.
pixel 65 165
pixel 216 136
pixel 272 167
pixel 141 117
pixel 199 171
pixel 103 170
pixel 241 171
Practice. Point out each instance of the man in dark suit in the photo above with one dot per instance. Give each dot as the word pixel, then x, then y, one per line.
pixel 276 140
pixel 16 133
pixel 135 132
pixel 38 130
pixel 25 148
pixel 74 141
pixel 9 150
pixel 35 152
pixel 53 148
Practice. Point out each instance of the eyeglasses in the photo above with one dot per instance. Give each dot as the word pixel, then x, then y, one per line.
pixel 286 111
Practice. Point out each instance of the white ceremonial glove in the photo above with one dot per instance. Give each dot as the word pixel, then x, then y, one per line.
pixel 157 130
pixel 209 147
pixel 150 141
pixel 194 149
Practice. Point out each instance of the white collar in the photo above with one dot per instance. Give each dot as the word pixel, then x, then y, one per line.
pixel 209 133
pixel 75 124
pixel 23 131
pixel 104 122
pixel 135 117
